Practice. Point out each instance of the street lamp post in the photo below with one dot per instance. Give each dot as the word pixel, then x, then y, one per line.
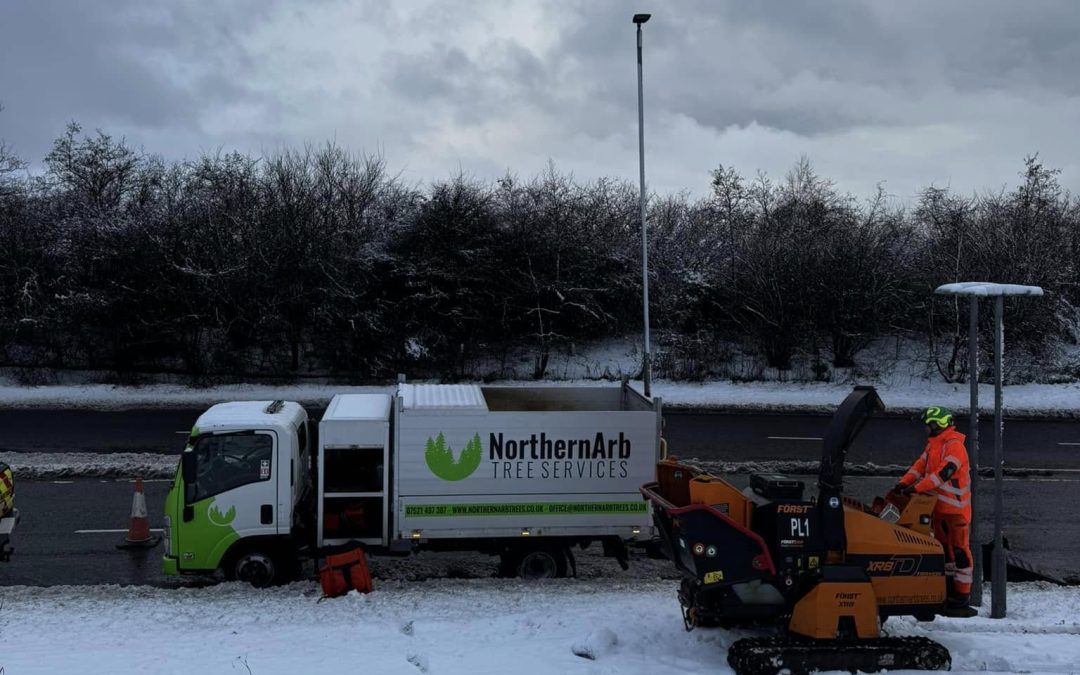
pixel 976 290
pixel 646 363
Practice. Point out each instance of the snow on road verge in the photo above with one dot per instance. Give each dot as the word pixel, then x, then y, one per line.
pixel 59 465
pixel 1036 400
pixel 450 626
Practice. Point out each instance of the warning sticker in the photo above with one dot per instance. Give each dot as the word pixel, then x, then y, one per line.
pixel 264 469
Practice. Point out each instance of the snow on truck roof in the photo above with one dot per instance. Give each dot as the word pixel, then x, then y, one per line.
pixel 456 397
pixel 358 407
pixel 243 413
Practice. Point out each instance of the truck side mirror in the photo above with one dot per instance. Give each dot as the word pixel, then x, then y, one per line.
pixel 189 472
pixel 188 467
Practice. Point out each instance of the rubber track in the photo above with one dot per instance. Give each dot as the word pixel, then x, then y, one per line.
pixel 766 656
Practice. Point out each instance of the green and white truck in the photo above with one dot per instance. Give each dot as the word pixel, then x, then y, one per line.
pixel 525 473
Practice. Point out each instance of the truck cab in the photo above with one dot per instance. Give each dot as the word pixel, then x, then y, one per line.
pixel 236 501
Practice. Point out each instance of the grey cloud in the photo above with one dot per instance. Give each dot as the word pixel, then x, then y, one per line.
pixel 473 90
pixel 190 77
pixel 439 73
pixel 62 63
pixel 110 65
pixel 727 63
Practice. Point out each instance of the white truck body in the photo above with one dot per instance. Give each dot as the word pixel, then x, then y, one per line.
pixel 549 461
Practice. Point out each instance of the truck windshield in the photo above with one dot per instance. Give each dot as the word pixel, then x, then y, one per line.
pixel 227 461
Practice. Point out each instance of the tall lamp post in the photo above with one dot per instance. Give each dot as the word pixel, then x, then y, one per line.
pixel 647 362
pixel 975 290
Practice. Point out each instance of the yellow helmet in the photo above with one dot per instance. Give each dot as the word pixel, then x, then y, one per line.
pixel 939 417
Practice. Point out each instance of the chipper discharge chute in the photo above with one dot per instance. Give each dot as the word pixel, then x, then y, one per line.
pixel 827 571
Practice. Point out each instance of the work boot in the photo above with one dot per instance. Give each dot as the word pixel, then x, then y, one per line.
pixel 957 606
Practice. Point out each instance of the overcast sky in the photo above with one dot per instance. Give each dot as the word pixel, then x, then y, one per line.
pixel 908 93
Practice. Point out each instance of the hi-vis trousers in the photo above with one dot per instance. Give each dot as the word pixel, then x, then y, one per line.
pixel 952 531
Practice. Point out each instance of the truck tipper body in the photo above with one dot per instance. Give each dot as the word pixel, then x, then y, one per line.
pixel 522 472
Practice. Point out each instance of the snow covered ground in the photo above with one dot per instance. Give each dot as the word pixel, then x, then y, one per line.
pixel 1050 400
pixel 451 626
pixel 900 369
pixel 60 465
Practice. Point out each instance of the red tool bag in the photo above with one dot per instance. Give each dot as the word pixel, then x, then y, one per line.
pixel 344 572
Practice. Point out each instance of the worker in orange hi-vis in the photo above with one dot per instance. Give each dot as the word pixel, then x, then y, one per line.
pixel 8 515
pixel 943 471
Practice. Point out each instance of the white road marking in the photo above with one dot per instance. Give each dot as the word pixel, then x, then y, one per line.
pixel 119 531
pixel 1068 443
pixel 795 438
pixel 115 480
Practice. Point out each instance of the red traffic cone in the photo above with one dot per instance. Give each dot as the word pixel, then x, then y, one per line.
pixel 139 535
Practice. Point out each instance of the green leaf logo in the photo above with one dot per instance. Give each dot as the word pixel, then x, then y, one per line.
pixel 440 458
pixel 214 515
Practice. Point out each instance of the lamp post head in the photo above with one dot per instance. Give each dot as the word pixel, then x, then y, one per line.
pixel 641 18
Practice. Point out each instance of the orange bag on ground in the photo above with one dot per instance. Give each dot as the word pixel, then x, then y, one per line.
pixel 344 572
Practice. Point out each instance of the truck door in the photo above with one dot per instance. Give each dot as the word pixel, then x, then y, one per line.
pixel 233 495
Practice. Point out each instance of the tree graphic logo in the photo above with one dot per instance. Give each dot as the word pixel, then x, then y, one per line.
pixel 216 517
pixel 440 458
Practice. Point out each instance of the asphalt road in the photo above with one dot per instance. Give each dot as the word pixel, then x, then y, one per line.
pixel 59 540
pixel 886 440
pixel 1041 521
pixel 50 550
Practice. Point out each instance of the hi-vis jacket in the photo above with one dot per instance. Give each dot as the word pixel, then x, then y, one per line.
pixel 943 470
pixel 7 490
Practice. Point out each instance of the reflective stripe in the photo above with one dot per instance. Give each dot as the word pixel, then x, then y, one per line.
pixel 915 474
pixel 955 490
pixel 936 480
pixel 965 577
pixel 950 567
pixel 952 460
pixel 954 502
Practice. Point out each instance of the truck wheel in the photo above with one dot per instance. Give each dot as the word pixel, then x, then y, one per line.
pixel 256 567
pixel 537 563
